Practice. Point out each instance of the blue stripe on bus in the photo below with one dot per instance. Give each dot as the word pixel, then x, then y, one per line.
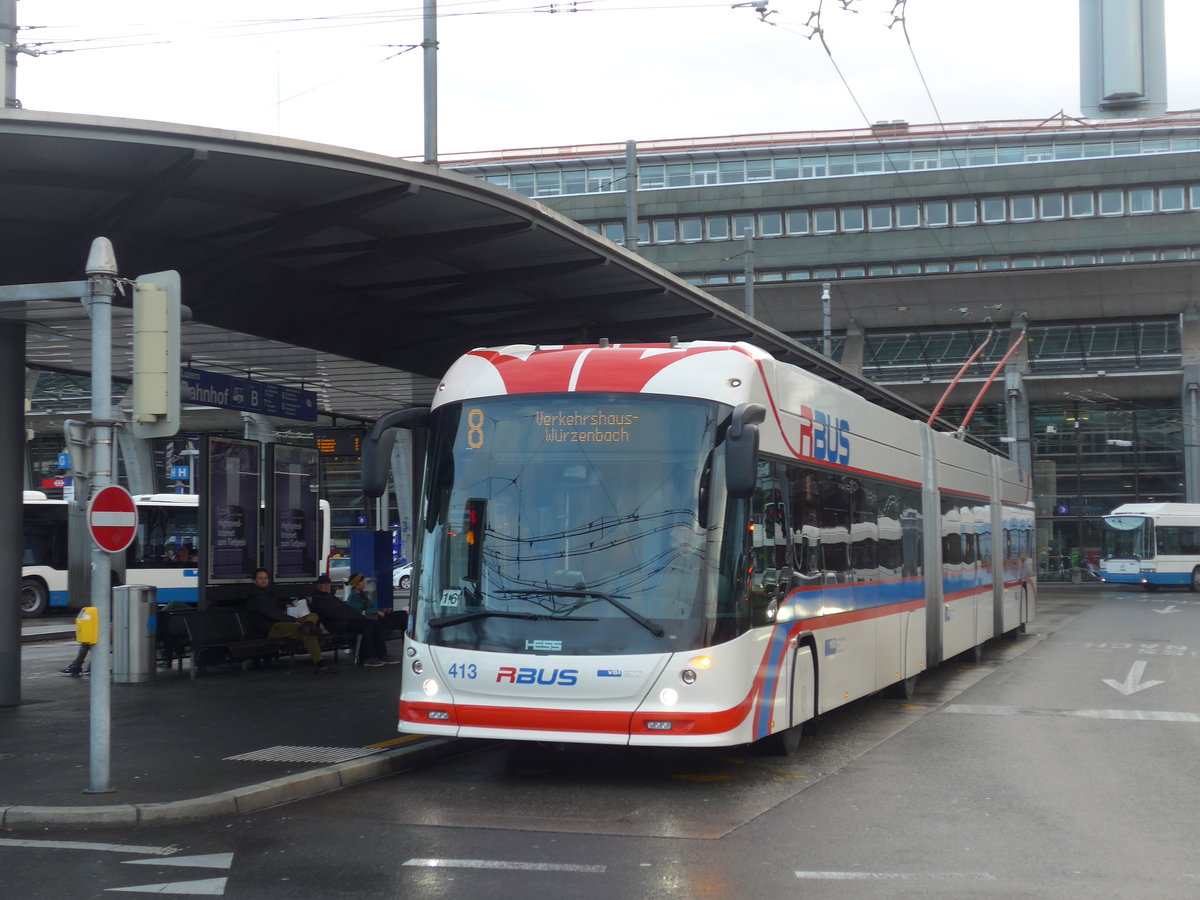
pixel 164 595
pixel 1180 579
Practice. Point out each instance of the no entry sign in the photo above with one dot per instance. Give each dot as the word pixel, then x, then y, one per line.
pixel 112 519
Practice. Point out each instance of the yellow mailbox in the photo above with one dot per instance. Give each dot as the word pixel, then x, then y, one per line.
pixel 87 625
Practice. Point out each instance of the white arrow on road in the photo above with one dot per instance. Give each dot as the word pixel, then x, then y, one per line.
pixel 1133 681
pixel 1167 609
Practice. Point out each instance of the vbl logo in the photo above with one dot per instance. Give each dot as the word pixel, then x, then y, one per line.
pixel 561 677
pixel 824 437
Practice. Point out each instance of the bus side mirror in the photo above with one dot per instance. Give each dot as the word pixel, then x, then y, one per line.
pixel 377 446
pixel 741 449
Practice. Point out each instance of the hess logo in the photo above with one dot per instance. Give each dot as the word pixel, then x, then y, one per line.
pixel 561 677
pixel 824 437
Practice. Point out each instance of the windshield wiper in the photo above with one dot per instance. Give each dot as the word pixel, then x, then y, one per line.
pixel 459 618
pixel 649 624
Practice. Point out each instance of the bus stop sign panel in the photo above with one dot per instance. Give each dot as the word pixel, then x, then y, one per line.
pixel 112 519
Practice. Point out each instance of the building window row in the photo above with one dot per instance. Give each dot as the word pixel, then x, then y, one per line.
pixel 944 266
pixel 911 214
pixel 792 166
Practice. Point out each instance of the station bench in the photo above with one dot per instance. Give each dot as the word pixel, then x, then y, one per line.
pixel 225 635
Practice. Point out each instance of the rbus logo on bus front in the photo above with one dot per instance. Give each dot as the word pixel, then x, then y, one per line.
pixel 525 675
pixel 824 437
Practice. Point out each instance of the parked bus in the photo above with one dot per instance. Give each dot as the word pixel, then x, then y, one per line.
pixel 1153 545
pixel 164 552
pixel 688 545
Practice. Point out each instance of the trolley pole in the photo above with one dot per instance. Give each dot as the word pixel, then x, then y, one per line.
pixel 101 275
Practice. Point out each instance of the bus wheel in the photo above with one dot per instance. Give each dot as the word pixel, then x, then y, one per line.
pixel 1196 580
pixel 34 599
pixel 1151 588
pixel 783 743
pixel 902 689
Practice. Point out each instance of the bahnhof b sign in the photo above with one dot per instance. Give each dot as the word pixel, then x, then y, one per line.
pixel 247 395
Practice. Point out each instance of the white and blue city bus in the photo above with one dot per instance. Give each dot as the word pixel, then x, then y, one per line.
pixel 163 553
pixel 1153 545
pixel 688 545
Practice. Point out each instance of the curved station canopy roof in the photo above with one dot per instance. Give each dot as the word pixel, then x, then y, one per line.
pixel 358 276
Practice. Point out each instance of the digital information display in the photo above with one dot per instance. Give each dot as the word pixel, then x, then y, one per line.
pixel 587 426
pixel 232 509
pixel 293 491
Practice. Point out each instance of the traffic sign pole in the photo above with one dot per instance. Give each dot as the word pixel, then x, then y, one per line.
pixel 102 274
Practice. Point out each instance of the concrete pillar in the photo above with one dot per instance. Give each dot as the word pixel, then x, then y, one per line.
pixel 32 376
pixel 852 349
pixel 12 456
pixel 1016 403
pixel 137 454
pixel 1189 404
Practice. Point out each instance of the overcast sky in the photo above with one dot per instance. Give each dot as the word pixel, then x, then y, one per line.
pixel 512 74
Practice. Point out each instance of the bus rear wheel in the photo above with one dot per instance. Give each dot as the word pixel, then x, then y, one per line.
pixel 34 598
pixel 1196 580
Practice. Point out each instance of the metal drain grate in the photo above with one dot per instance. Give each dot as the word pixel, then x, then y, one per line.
pixel 304 754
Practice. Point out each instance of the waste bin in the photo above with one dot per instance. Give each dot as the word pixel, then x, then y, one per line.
pixel 135 621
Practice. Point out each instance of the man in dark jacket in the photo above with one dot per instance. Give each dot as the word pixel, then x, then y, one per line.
pixel 270 617
pixel 338 618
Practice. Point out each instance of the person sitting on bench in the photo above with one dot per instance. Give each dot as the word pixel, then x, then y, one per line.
pixel 271 619
pixel 338 618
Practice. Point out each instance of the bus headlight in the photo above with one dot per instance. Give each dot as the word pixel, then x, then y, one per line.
pixel 668 696
pixel 418 667
pixel 430 687
pixel 688 676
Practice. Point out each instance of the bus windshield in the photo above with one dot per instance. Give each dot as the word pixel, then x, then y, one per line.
pixel 1128 537
pixel 580 524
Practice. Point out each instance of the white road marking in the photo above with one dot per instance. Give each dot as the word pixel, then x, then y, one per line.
pixel 501 864
pixel 204 861
pixel 207 887
pixel 1133 681
pixel 1136 715
pixel 1166 609
pixel 896 876
pixel 84 845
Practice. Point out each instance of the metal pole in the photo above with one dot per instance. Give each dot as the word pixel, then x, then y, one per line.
pixel 429 49
pixel 101 272
pixel 631 185
pixel 748 257
pixel 8 41
pixel 826 323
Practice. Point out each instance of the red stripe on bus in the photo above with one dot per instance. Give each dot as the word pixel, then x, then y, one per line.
pixel 523 718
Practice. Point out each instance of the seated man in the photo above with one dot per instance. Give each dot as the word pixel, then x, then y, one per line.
pixel 338 618
pixel 270 617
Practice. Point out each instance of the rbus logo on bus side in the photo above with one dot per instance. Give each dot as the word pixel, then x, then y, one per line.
pixel 525 675
pixel 823 437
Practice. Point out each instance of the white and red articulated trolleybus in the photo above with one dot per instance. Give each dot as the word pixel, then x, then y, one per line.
pixel 688 545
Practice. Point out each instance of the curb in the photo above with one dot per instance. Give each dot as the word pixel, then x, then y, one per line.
pixel 244 800
pixel 39 637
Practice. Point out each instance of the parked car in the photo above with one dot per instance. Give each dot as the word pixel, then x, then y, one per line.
pixel 402 576
pixel 339 569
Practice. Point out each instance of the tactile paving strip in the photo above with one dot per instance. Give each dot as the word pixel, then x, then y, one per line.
pixel 304 754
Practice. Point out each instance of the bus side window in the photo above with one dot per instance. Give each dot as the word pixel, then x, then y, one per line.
pixel 805 518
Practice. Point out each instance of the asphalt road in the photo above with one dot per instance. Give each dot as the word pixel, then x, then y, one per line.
pixel 1063 765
